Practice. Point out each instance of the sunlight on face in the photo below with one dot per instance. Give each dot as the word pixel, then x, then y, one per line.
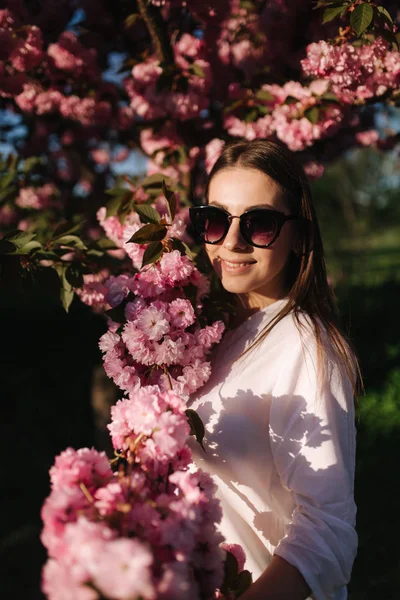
pixel 258 272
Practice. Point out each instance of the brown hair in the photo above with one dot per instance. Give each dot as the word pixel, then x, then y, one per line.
pixel 306 282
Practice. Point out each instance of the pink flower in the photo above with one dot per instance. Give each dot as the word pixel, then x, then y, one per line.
pixel 93 292
pixel 117 289
pixel 153 322
pixel 28 53
pixel 26 99
pixel 237 552
pixel 69 55
pixel 121 569
pixel 366 138
pixel 175 267
pixel 211 334
pixel 100 156
pixel 169 352
pixel 314 170
pixel 86 466
pixel 140 347
pixel 58 583
pixel 194 376
pixel 181 313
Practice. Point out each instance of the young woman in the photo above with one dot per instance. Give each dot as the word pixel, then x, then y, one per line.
pixel 279 406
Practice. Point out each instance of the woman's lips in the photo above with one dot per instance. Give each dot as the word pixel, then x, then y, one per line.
pixel 236 268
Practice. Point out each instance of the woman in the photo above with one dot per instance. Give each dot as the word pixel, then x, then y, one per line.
pixel 279 406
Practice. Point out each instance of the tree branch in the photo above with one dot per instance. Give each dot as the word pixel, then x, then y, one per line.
pixel 158 31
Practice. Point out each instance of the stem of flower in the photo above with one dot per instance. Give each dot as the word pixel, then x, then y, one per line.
pixel 86 492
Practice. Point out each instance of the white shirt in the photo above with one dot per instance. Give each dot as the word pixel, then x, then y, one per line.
pixel 281 453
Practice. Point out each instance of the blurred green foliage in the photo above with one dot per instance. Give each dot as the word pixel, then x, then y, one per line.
pixel 358 204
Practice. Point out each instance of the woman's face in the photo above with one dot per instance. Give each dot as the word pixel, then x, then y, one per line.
pixel 244 269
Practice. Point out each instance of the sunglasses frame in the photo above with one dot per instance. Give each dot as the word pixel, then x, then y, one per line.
pixel 281 219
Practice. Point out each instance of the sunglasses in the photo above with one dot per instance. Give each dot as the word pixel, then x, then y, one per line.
pixel 259 227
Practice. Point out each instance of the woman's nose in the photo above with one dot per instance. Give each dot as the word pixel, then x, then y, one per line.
pixel 233 239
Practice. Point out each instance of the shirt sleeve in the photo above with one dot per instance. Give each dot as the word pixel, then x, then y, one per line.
pixel 312 436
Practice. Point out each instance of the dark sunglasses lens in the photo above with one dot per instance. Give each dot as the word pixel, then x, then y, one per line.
pixel 261 227
pixel 210 224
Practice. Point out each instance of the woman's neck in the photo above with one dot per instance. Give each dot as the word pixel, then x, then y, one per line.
pixel 249 304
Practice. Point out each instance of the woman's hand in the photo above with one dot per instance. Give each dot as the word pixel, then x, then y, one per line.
pixel 279 581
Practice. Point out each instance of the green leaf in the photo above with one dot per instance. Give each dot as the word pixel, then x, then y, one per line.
pixel 390 37
pixel 312 114
pixel 245 579
pixel 30 163
pixel 329 96
pixel 251 115
pixel 149 233
pixel 196 426
pixel 385 14
pixel 264 95
pixel 233 106
pixel 117 203
pixel 154 180
pixel 231 570
pixel 71 240
pixel 331 13
pixel 147 213
pixel 171 200
pixel 28 247
pixel 131 20
pixel 105 244
pixel 6 179
pixel 152 253
pixel 11 190
pixel 182 247
pixel 66 296
pixel 361 18
pixel 197 70
pixel 116 191
pixel 73 275
pixel 66 290
pixel 66 228
pixel 291 100
pixel 19 237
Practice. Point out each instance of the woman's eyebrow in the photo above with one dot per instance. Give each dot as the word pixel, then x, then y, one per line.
pixel 219 205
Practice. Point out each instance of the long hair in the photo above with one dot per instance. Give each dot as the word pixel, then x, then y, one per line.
pixel 306 280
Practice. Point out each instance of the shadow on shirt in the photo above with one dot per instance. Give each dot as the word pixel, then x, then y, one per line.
pixel 272 469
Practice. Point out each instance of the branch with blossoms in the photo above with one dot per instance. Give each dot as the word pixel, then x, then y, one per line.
pixel 144 525
pixel 190 77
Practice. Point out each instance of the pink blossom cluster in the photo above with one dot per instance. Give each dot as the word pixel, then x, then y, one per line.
pixel 355 73
pixel 167 152
pixel 149 101
pixel 121 233
pixel 38 78
pixel 88 111
pixel 241 42
pixel 288 120
pixel 162 341
pixel 36 198
pixel 93 291
pixel 146 531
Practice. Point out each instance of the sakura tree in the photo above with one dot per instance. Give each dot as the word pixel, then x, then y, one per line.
pixel 86 86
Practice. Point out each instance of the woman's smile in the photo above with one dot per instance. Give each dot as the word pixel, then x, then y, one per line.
pixel 236 267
